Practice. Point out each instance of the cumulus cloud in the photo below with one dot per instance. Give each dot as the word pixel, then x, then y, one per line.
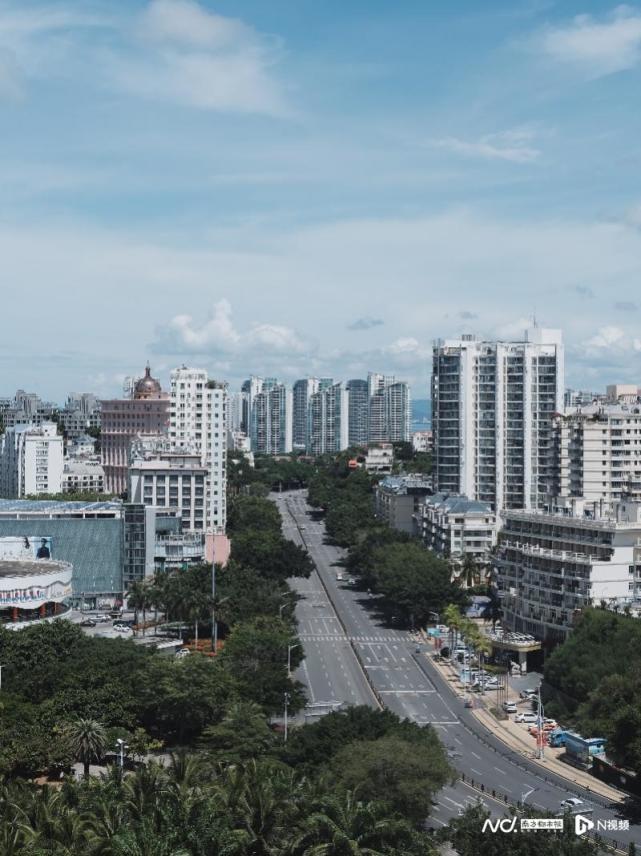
pixel 365 323
pixel 599 47
pixel 194 57
pixel 514 145
pixel 611 339
pixel 218 335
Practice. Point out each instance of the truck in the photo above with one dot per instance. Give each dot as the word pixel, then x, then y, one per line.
pixel 582 749
pixel 557 738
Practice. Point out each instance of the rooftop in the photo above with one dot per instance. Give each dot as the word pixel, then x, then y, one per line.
pixel 31 506
pixel 458 504
pixel 20 568
pixel 401 484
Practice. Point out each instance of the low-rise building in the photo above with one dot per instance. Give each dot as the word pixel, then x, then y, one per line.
pixel 81 476
pixel 380 458
pixel 454 526
pixel 397 499
pixel 551 565
pixel 423 441
pixel 33 590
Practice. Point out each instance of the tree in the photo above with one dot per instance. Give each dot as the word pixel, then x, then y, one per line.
pixel 88 741
pixel 242 734
pixel 256 655
pixel 402 775
pixel 341 824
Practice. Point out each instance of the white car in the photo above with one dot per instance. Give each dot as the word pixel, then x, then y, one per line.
pixel 571 802
pixel 122 628
pixel 509 707
pixel 526 717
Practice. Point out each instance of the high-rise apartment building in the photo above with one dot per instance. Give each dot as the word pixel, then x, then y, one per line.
pixel 492 410
pixel 358 412
pixel 272 419
pixel 302 391
pixel 198 423
pixel 598 453
pixel 327 421
pixel 388 409
pixel 31 460
pixel 145 412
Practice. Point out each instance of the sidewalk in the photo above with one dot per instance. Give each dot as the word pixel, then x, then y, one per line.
pixel 519 740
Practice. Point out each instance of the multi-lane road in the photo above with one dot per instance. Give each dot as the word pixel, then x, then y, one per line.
pixel 338 627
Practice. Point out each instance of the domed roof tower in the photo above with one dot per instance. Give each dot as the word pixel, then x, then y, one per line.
pixel 147 386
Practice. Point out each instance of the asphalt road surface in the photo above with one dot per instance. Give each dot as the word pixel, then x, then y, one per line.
pixel 408 684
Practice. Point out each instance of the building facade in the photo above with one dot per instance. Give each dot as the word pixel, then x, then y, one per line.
pixel 145 412
pixel 80 476
pixel 33 590
pixel 302 391
pixel 397 500
pixel 327 420
pixel 31 460
pixel 358 405
pixel 170 480
pixel 454 526
pixel 551 565
pixel 389 409
pixel 598 453
pixel 198 423
pixel 492 409
pixel 272 420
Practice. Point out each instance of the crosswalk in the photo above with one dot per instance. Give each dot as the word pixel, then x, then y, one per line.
pixel 329 637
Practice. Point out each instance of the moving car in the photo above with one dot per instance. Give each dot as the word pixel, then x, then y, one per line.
pixel 528 693
pixel 571 802
pixel 87 622
pixel 509 707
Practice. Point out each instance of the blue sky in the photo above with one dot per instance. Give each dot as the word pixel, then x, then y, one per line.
pixel 299 187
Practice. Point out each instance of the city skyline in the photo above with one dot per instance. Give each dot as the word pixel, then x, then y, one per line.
pixel 231 184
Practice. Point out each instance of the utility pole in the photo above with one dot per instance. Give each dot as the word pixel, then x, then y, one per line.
pixel 286 709
pixel 214 626
pixel 541 753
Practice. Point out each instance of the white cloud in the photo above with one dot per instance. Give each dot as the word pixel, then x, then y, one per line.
pixel 190 56
pixel 598 47
pixel 218 335
pixel 513 145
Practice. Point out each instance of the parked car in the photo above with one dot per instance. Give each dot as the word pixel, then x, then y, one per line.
pixel 509 707
pixel 528 693
pixel 183 652
pixel 571 802
pixel 525 717
pixel 123 628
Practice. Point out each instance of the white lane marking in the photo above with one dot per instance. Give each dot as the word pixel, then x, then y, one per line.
pixel 498 770
pixel 458 805
pixel 476 771
pixel 475 755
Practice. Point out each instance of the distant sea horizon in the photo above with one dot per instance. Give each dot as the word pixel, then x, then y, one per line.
pixel 421 414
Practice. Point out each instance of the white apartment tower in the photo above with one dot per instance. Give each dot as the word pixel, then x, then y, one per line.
pixel 198 423
pixel 598 453
pixel 302 391
pixel 389 409
pixel 493 405
pixel 271 420
pixel 31 460
pixel 328 420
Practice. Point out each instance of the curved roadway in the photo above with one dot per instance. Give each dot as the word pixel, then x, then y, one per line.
pixel 336 622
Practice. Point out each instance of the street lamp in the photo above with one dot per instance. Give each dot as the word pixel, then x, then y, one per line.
pixel 1 668
pixel 121 746
pixel 290 648
pixel 286 695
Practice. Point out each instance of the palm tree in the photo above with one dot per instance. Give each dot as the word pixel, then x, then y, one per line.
pixel 87 741
pixel 342 825
pixel 469 570
pixel 452 617
pixel 139 598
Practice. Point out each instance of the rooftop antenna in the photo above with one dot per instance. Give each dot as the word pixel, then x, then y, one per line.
pixel 534 324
